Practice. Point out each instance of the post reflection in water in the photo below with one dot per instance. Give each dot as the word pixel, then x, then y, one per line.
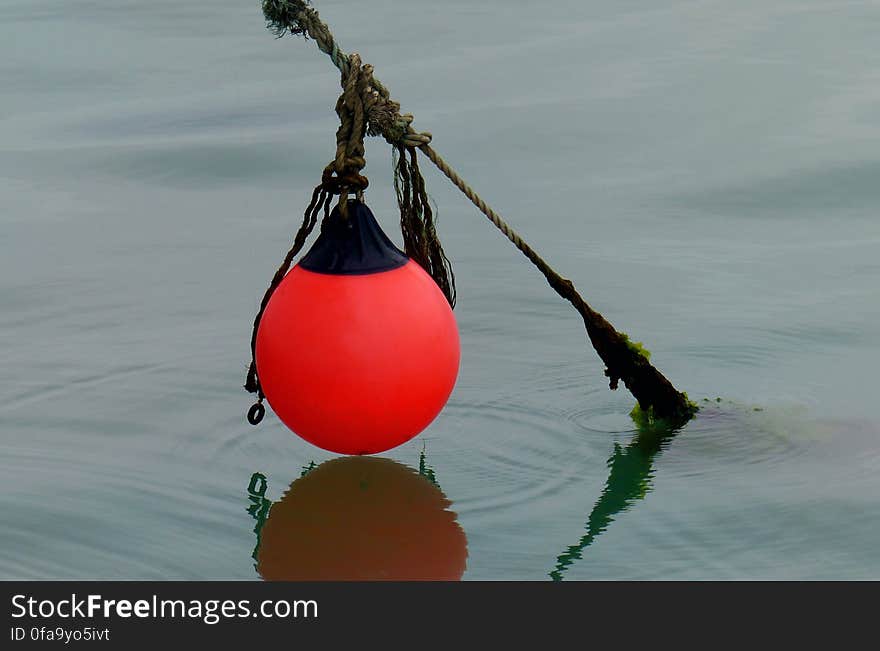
pixel 630 470
pixel 358 518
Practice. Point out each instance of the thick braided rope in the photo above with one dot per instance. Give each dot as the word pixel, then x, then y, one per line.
pixel 552 276
pixel 647 384
pixel 350 153
pixel 393 126
pixel 352 122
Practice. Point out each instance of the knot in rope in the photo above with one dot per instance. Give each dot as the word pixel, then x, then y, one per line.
pixel 343 174
pixel 364 108
pixel 384 117
pixel 382 113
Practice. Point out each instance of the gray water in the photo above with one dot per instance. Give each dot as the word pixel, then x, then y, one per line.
pixel 705 172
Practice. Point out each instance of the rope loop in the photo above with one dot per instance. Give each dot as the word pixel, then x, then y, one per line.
pixel 335 183
pixel 255 413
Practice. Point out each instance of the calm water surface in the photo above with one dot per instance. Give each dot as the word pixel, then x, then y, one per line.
pixel 706 172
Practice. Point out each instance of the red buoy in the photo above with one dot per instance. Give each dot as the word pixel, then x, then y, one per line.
pixel 357 350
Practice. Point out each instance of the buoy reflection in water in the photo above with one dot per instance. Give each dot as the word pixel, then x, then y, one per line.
pixel 358 518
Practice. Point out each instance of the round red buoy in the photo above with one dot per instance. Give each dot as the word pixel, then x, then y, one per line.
pixel 357 350
pixel 362 518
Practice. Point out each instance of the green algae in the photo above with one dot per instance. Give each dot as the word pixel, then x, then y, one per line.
pixel 636 346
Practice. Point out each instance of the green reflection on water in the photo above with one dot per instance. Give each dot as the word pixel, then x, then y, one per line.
pixel 427 471
pixel 259 506
pixel 630 470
